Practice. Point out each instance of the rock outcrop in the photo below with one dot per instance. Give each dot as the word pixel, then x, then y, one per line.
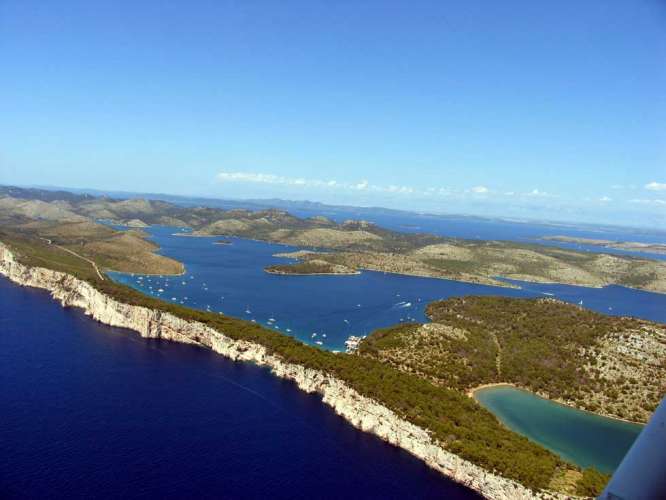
pixel 362 412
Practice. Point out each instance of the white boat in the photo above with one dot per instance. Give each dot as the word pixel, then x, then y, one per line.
pixel 352 343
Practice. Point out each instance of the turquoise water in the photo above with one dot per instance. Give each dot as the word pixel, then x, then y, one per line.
pixel 579 437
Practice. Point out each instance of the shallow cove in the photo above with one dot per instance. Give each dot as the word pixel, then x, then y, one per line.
pixel 580 437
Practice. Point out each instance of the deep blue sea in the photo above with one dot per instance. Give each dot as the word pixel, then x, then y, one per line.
pixel 326 310
pixel 90 411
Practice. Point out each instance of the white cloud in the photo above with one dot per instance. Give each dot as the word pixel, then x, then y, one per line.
pixel 361 185
pixel 250 177
pixel 259 178
pixel 648 202
pixel 541 194
pixel 299 182
pixel 479 192
pixel 605 199
pixel 656 186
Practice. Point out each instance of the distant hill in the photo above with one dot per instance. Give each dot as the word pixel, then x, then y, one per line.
pixel 354 243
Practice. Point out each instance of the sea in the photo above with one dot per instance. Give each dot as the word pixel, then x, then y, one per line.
pixel 91 411
pixel 325 311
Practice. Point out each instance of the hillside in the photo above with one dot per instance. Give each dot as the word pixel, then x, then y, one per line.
pixel 611 365
pixel 111 250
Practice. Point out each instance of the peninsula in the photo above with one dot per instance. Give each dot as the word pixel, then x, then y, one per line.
pixel 609 365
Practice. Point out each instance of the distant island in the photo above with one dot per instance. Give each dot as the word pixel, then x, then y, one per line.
pixel 632 246
pixel 311 267
pixel 354 244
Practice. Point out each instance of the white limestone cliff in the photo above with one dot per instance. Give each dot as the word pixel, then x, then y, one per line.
pixel 362 412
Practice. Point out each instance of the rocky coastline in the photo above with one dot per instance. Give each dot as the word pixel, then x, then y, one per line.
pixel 362 412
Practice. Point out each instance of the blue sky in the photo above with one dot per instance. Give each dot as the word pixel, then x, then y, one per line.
pixel 516 108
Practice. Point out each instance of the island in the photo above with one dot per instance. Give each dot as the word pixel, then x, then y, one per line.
pixel 311 267
pixel 631 246
pixel 355 244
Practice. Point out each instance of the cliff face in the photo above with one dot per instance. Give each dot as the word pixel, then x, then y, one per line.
pixel 362 412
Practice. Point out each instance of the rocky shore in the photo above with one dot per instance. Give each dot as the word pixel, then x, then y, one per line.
pixel 362 412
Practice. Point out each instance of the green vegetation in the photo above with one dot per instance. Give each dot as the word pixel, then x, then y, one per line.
pixel 310 267
pixel 452 358
pixel 592 483
pixel 456 421
pixel 556 349
pixel 125 251
pixel 452 266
